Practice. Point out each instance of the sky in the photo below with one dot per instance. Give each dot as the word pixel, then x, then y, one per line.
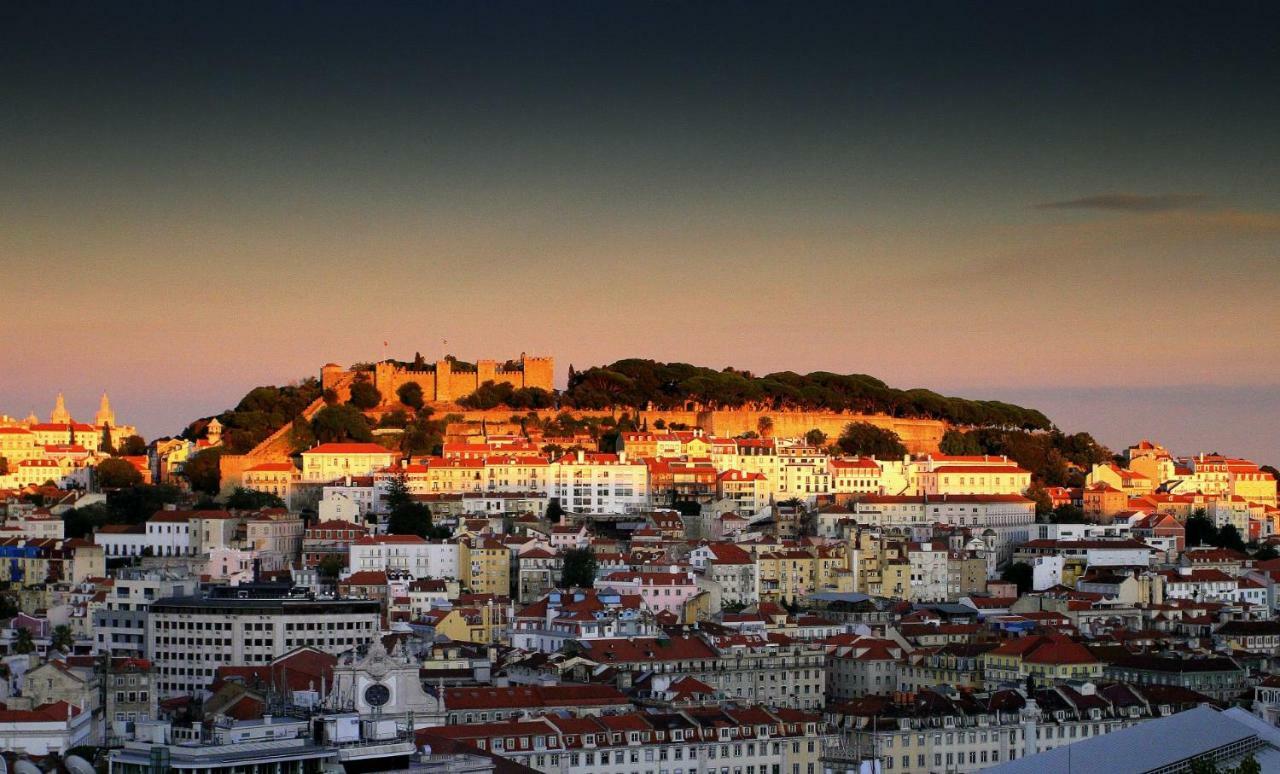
pixel 1072 205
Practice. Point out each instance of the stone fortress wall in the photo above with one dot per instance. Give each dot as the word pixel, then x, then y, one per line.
pixel 445 382
pixel 920 436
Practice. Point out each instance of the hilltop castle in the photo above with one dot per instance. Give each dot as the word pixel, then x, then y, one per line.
pixel 447 380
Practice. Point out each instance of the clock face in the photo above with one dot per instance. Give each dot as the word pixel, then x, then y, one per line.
pixel 377 694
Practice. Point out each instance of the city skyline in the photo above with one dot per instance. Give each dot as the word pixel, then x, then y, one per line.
pixel 1074 205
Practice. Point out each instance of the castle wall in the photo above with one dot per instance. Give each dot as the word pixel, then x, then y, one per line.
pixel 444 384
pixel 920 436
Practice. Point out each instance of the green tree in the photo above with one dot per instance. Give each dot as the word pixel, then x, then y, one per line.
pixel 364 395
pixel 202 471
pixel 8 607
pixel 1068 514
pixel 1019 573
pixel 22 642
pixel 301 436
pixel 1249 765
pixel 864 438
pixel 1205 765
pixel 579 570
pixel 106 445
pixel 1037 493
pixel 1266 552
pixel 81 522
pixel 139 503
pixel 242 499
pixel 410 394
pixel 62 638
pixel 133 446
pixel 555 511
pixel 815 437
pixel 1201 531
pixel 423 435
pixel 958 442
pixel 115 473
pixel 394 419
pixel 331 566
pixel 764 426
pixel 4 466
pixel 331 397
pixel 1229 537
pixel 405 516
pixel 337 424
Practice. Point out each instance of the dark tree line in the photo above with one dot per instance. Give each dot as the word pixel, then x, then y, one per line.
pixel 1054 458
pixel 639 383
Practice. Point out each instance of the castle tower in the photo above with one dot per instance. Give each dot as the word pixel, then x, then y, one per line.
pixel 105 415
pixel 60 415
pixel 213 432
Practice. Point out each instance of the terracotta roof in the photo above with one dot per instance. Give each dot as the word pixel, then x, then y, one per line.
pixel 349 448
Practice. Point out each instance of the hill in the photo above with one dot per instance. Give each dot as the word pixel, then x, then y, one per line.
pixel 642 384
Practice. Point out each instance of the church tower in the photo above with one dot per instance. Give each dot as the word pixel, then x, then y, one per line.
pixel 60 415
pixel 105 415
pixel 213 432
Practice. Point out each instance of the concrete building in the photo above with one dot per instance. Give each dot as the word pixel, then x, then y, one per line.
pixel 189 637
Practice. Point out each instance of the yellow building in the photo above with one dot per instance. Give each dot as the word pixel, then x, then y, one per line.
pixel 1046 659
pixel 332 461
pixel 785 575
pixel 1132 483
pixel 483 623
pixel 489 564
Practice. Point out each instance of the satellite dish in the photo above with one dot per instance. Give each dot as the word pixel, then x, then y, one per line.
pixel 26 767
pixel 77 765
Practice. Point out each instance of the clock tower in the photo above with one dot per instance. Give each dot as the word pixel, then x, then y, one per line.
pixel 384 685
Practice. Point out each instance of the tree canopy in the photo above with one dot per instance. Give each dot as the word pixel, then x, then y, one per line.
pixel 639 383
pixel 410 394
pixel 129 505
pixel 866 439
pixel 115 473
pixel 340 423
pixel 202 471
pixel 242 499
pixel 132 446
pixel 331 566
pixel 261 412
pixel 1201 531
pixel 579 569
pixel 1019 573
pixel 405 516
pixel 492 394
pixel 423 436
pixel 1049 456
pixel 364 395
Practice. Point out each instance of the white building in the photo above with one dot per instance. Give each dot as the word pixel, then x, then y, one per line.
pixel 591 482
pixel 188 638
pixel 334 461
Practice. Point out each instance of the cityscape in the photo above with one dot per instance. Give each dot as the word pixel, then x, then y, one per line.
pixel 640 388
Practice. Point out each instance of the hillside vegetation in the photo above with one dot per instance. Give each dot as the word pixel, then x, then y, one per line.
pixel 640 384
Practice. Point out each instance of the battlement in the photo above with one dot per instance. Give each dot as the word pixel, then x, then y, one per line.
pixel 444 381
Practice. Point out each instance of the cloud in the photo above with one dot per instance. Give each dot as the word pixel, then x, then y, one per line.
pixel 1120 202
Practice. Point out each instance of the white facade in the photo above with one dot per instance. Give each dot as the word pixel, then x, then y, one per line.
pixel 600 483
